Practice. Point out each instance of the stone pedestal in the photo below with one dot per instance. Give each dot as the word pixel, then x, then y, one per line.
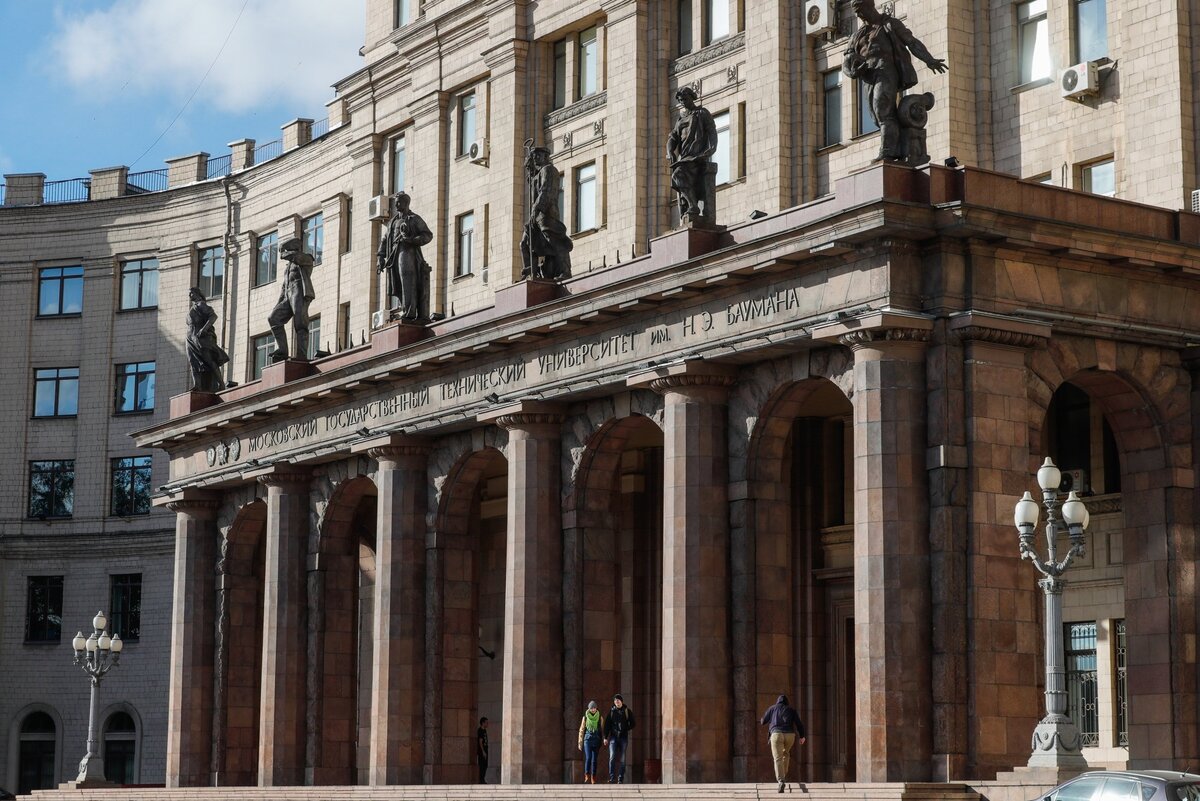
pixel 526 294
pixel 398 668
pixel 685 243
pixel 189 693
pixel 397 335
pixel 282 709
pixel 530 736
pixel 696 677
pixel 280 373
pixel 192 401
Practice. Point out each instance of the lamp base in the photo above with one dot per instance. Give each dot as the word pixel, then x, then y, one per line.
pixel 91 774
pixel 1057 744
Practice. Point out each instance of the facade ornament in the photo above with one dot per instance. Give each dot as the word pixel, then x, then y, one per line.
pixel 205 356
pixel 690 148
pixel 731 73
pixel 568 140
pixel 598 128
pixel 295 293
pixel 399 258
pixel 867 336
pixel 545 245
pixel 879 56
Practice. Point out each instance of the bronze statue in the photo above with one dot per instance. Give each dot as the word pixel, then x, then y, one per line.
pixel 205 356
pixel 294 297
pixel 545 245
pixel 690 147
pixel 399 256
pixel 879 56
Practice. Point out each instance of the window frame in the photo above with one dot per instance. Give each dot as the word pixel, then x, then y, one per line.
pixel 265 343
pixel 559 61
pixel 685 41
pixel 400 14
pixel 468 111
pixel 585 182
pixel 314 335
pixel 1032 20
pixel 61 279
pixel 1099 48
pixel 724 146
pixel 138 468
pixel 587 80
pixel 141 274
pixel 464 245
pixel 212 286
pixel 399 156
pixel 58 381
pixel 137 374
pixel 56 474
pixel 52 585
pixel 125 602
pixel 864 118
pixel 270 268
pixel 1087 176
pixel 834 92
pixel 1073 677
pixel 710 15
pixel 312 236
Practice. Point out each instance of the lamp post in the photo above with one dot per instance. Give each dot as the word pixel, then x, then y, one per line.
pixel 1056 741
pixel 97 655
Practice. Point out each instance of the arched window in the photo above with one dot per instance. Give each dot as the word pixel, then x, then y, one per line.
pixel 120 749
pixel 38 740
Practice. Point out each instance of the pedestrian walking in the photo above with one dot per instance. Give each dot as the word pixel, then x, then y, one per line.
pixel 591 736
pixel 616 732
pixel 786 729
pixel 481 749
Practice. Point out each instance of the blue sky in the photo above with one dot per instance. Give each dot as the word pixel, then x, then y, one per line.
pixel 93 83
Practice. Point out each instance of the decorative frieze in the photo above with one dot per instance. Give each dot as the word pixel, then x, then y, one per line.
pixel 710 53
pixel 867 336
pixel 577 109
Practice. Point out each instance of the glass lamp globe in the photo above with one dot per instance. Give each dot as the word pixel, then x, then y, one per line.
pixel 79 642
pixel 1073 511
pixel 91 643
pixel 117 645
pixel 105 642
pixel 100 621
pixel 1026 513
pixel 1049 477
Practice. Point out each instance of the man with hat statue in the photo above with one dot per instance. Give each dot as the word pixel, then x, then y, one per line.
pixel 399 257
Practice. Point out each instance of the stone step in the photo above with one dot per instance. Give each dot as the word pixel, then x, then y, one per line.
pixel 528 792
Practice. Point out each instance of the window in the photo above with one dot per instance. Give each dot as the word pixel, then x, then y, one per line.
pixel 1046 178
pixel 344 325
pixel 51 488
pixel 1121 789
pixel 866 118
pixel 125 606
pixel 401 13
pixel 139 284
pixel 263 347
pixel 56 392
pixel 585 197
pixel 267 263
pixel 43 609
pixel 589 54
pixel 131 486
pixel 1120 664
pixel 312 236
pixel 211 276
pixel 134 388
pixel 1034 43
pixel 466 122
pixel 684 15
pixel 1079 790
pixel 560 73
pixel 716 20
pixel 561 202
pixel 1091 30
pixel 36 756
pixel 1081 681
pixel 399 163
pixel 832 81
pixel 1100 178
pixel 465 226
pixel 314 335
pixel 120 748
pixel 60 291
pixel 722 156
pixel 348 226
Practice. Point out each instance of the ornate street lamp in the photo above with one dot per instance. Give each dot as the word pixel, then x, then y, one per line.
pixel 97 655
pixel 1056 741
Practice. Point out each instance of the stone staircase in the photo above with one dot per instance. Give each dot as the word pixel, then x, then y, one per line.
pixel 546 792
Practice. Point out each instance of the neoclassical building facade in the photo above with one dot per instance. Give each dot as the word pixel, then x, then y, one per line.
pixel 711 466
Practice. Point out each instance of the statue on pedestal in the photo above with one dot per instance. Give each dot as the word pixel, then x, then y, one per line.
pixel 879 56
pixel 545 245
pixel 690 148
pixel 205 356
pixel 399 257
pixel 294 296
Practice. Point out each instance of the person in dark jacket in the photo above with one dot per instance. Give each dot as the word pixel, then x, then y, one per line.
pixel 786 728
pixel 617 726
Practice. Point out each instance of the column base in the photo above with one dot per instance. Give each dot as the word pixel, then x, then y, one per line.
pixel 1056 745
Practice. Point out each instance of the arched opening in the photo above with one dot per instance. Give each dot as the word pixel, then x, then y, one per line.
pixel 341 584
pixel 800 463
pixel 38 740
pixel 616 550
pixel 468 569
pixel 120 748
pixel 240 612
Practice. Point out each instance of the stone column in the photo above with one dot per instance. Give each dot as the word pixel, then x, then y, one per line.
pixel 189 706
pixel 397 753
pixel 892 605
pixel 530 734
pixel 282 715
pixel 697 676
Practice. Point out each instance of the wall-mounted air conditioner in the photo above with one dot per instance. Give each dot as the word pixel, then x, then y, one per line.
pixel 818 17
pixel 1074 480
pixel 478 151
pixel 1080 80
pixel 379 207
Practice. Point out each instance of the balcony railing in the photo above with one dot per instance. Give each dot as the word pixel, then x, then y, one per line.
pixel 219 167
pixel 268 151
pixel 139 183
pixel 71 190
pixel 320 128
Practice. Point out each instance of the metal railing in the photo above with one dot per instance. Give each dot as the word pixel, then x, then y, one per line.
pixel 71 190
pixel 139 183
pixel 268 151
pixel 219 167
pixel 320 128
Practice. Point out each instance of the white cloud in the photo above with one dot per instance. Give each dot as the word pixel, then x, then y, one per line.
pixel 282 51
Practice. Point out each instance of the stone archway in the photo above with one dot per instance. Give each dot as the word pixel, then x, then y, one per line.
pixel 465 617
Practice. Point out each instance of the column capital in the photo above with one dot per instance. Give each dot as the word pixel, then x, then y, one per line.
pixel 393 447
pixel 524 414
pixel 280 475
pixel 686 377
pixel 998 329
pixel 875 327
pixel 194 502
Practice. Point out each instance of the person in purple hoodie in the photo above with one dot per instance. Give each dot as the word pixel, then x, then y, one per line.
pixel 786 727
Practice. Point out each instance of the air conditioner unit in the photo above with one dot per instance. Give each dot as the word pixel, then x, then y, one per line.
pixel 1080 80
pixel 379 319
pixel 379 207
pixel 818 17
pixel 1196 201
pixel 1074 480
pixel 478 151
